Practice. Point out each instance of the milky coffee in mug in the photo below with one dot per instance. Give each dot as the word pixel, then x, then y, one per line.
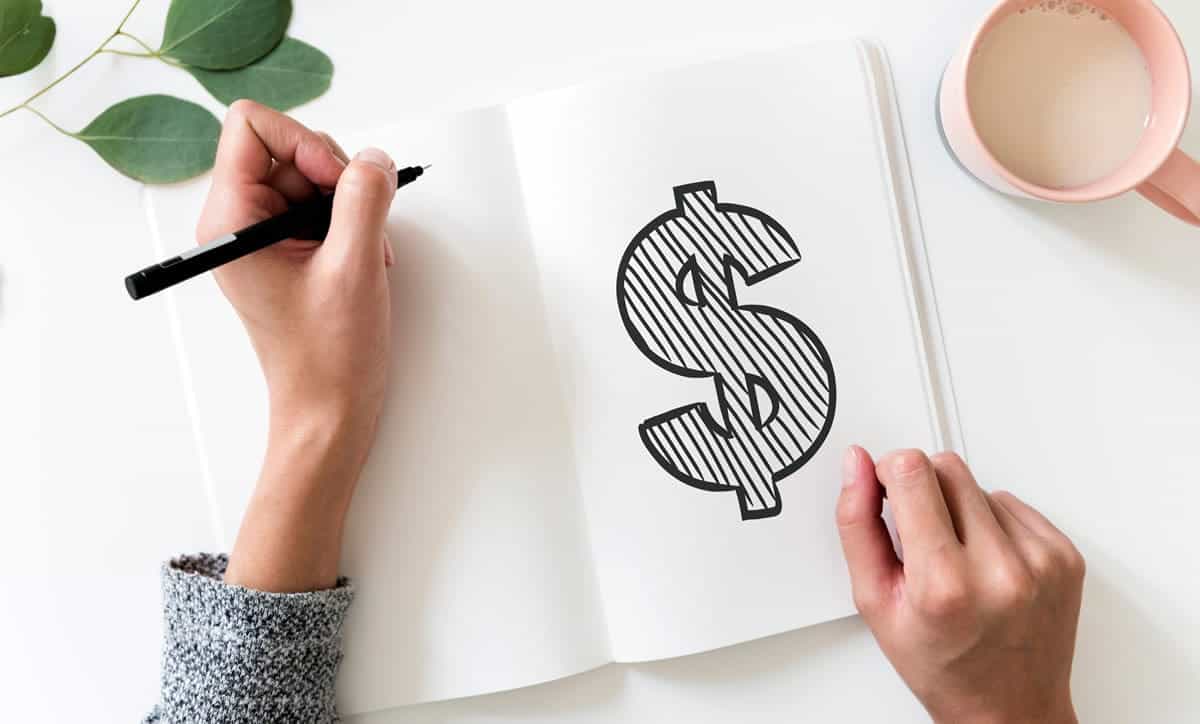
pixel 1066 100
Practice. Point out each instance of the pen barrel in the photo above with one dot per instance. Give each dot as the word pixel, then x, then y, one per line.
pixel 309 220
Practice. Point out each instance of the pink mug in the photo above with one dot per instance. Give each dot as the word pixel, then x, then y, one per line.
pixel 1157 169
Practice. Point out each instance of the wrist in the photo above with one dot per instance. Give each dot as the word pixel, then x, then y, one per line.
pixel 316 451
pixel 291 533
pixel 291 408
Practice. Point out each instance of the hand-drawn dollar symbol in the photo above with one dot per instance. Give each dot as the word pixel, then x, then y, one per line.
pixel 677 295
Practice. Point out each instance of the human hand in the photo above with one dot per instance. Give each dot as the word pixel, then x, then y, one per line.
pixel 316 314
pixel 980 617
pixel 318 318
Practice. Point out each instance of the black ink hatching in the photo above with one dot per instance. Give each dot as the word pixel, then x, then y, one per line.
pixel 774 380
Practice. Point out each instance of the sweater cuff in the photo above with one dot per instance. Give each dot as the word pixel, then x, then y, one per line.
pixel 232 654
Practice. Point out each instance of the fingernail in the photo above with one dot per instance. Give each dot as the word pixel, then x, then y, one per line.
pixel 376 157
pixel 849 466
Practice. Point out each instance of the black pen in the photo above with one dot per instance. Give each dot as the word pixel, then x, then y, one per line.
pixel 307 220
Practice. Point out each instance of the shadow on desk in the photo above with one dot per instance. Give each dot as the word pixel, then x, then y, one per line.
pixel 1133 231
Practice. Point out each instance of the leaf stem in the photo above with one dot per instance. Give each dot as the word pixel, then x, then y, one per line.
pixel 53 125
pixel 128 53
pixel 139 41
pixel 121 26
pixel 25 103
pixel 150 52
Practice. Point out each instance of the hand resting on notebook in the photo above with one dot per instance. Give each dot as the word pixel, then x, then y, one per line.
pixel 980 618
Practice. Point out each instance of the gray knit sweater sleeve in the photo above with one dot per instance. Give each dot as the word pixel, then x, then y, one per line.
pixel 233 655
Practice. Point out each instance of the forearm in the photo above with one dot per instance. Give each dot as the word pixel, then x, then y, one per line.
pixel 256 637
pixel 291 533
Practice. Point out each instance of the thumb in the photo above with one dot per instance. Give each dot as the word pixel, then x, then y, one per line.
pixel 866 544
pixel 360 207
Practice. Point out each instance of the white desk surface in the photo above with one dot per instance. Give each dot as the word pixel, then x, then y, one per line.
pixel 1073 335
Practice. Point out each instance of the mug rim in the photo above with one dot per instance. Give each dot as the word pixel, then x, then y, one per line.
pixel 1083 193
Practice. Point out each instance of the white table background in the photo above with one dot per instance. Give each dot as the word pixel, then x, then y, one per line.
pixel 1073 335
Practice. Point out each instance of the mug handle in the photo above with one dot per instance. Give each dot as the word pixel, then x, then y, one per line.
pixel 1175 187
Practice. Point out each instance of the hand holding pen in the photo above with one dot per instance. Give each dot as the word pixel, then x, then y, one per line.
pixel 306 216
pixel 318 317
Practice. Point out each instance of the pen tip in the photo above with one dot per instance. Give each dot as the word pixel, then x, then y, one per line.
pixel 426 167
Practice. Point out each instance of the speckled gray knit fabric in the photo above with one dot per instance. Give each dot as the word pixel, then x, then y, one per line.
pixel 233 655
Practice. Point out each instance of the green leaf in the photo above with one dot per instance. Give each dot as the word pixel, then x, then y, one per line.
pixel 25 35
pixel 294 73
pixel 156 139
pixel 223 34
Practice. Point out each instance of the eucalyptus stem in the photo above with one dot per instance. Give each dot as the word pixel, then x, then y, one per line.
pixel 25 103
pixel 53 125
pixel 149 52
pixel 128 53
pixel 102 48
pixel 139 41
pixel 121 25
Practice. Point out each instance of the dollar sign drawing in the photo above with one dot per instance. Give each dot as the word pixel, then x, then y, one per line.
pixel 677 295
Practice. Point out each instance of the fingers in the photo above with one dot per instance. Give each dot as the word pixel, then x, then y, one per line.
pixel 288 181
pixel 1009 523
pixel 973 520
pixel 922 519
pixel 1027 545
pixel 389 256
pixel 870 558
pixel 254 135
pixel 1030 518
pixel 1047 551
pixel 334 146
pixel 360 208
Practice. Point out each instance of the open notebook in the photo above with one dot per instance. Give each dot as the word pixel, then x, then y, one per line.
pixel 638 321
